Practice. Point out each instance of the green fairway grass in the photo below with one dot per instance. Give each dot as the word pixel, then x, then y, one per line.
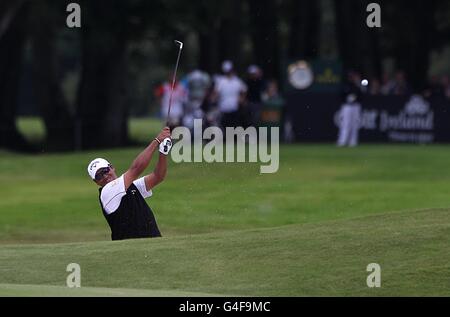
pixel 309 229
pixel 329 258
pixel 15 290
pixel 50 198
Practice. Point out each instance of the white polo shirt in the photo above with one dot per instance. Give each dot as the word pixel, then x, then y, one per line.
pixel 229 90
pixel 113 192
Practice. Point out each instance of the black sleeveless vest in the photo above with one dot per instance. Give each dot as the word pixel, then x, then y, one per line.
pixel 133 219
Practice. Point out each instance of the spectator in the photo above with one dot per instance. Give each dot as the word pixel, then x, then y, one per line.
pixel 198 83
pixel 387 85
pixel 374 87
pixel 209 108
pixel 273 103
pixel 229 92
pixel 179 96
pixel 271 91
pixel 400 87
pixel 350 118
pixel 256 87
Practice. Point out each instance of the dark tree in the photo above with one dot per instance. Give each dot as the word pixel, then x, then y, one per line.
pixel 101 101
pixel 304 29
pixel 12 41
pixel 108 28
pixel 263 15
pixel 47 18
pixel 207 26
pixel 220 30
pixel 413 38
pixel 359 46
pixel 231 32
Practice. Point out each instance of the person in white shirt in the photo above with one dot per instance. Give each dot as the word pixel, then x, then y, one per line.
pixel 179 98
pixel 229 92
pixel 350 120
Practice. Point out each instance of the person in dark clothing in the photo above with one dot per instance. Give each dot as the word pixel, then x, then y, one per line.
pixel 256 87
pixel 122 199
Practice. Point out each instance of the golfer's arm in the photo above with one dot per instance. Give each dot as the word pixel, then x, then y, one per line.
pixel 140 164
pixel 159 173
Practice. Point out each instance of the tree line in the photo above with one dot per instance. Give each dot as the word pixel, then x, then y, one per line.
pixel 263 32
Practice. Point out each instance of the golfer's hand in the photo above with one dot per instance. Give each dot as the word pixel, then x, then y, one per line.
pixel 164 134
pixel 165 141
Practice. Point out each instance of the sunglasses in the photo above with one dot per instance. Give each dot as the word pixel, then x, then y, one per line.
pixel 102 172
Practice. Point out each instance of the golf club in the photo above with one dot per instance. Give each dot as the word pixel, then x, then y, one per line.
pixel 180 44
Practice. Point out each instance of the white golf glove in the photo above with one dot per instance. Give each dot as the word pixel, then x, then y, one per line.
pixel 165 146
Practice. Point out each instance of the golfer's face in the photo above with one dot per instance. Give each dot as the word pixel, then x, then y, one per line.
pixel 105 175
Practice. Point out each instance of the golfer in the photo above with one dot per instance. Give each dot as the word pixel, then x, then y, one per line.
pixel 122 199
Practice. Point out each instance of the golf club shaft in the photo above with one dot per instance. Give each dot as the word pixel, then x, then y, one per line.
pixel 173 84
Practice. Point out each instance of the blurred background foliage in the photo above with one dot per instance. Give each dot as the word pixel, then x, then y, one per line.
pixel 85 83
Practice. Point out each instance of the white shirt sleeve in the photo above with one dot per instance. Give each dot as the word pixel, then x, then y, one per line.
pixel 112 194
pixel 140 184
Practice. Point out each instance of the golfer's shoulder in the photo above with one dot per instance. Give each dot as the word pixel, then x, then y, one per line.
pixel 113 188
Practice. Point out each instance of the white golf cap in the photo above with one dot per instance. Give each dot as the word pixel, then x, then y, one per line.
pixel 95 165
pixel 227 66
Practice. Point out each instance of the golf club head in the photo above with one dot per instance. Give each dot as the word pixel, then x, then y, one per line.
pixel 180 44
